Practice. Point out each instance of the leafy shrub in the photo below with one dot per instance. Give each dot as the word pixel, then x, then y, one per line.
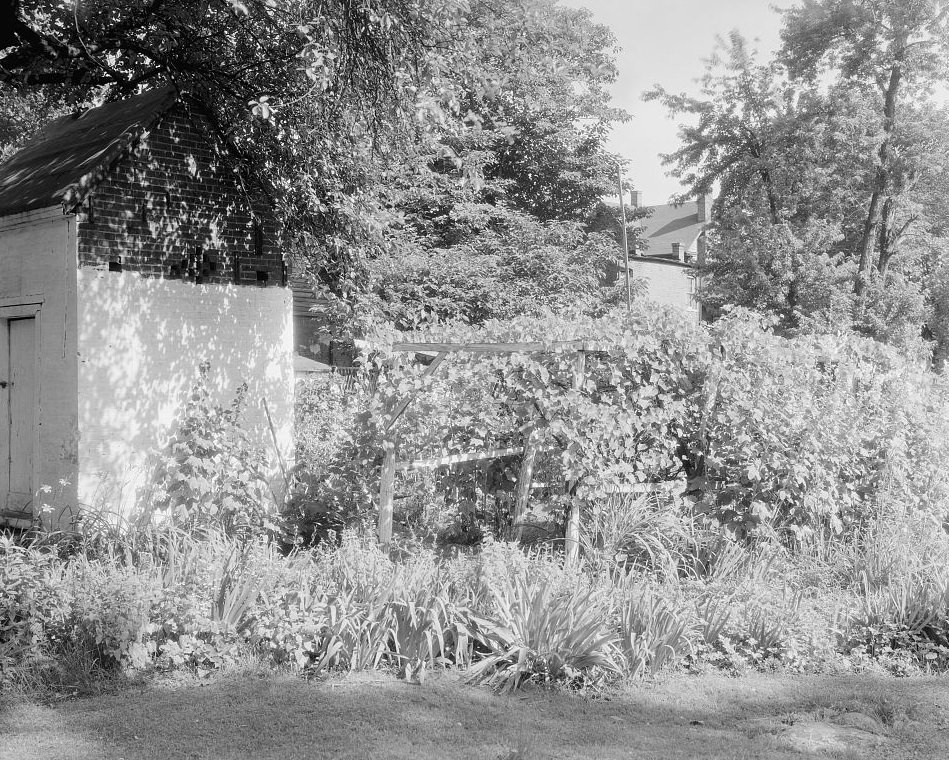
pixel 909 615
pixel 212 476
pixel 111 605
pixel 330 482
pixel 775 436
pixel 806 435
pixel 358 629
pixel 34 609
pixel 324 411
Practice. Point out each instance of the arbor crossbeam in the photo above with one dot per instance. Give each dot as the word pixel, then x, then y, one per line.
pixel 450 459
pixel 554 346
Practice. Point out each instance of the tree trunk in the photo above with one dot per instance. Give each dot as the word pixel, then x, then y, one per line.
pixel 772 198
pixel 882 178
pixel 888 237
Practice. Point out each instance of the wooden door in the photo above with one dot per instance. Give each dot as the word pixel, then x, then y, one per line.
pixel 17 412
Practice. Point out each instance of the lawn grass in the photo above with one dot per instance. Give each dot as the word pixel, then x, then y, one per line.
pixel 375 715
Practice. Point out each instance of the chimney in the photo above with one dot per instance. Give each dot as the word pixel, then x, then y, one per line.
pixel 704 207
pixel 636 198
pixel 678 251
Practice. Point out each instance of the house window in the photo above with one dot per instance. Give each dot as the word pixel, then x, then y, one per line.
pixel 693 294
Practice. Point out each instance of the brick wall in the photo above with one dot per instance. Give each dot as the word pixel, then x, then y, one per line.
pixel 141 340
pixel 667 283
pixel 176 209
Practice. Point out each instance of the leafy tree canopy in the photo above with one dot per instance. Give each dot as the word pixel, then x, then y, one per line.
pixel 376 122
pixel 831 164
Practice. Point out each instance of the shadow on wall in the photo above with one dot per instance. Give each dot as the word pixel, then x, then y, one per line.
pixel 141 342
pixel 178 263
pixel 175 209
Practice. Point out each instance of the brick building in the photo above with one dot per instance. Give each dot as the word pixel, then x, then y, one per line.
pixel 131 250
pixel 672 243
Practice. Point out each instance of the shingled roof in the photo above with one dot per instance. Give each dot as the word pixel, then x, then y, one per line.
pixel 63 162
pixel 666 225
pixel 670 224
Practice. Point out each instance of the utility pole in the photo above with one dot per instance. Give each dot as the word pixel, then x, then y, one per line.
pixel 622 208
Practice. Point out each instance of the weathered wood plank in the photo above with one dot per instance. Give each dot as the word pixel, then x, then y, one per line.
pixel 22 387
pixel 645 488
pixel 386 494
pixel 572 532
pixel 524 476
pixel 449 459
pixel 496 348
pixel 4 412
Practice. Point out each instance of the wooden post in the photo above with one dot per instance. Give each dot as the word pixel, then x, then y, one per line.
pixel 524 477
pixel 622 208
pixel 386 493
pixel 572 533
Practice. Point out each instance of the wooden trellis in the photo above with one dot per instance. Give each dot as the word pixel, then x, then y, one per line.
pixel 529 451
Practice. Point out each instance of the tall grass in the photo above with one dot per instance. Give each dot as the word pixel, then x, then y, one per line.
pixel 652 591
pixel 540 635
pixel 653 633
pixel 636 533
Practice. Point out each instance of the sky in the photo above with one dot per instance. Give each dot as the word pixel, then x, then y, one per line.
pixel 665 42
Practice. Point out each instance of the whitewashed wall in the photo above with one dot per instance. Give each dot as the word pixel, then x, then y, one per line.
pixel 37 265
pixel 141 341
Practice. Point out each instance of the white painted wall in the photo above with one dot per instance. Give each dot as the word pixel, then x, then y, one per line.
pixel 141 341
pixel 666 283
pixel 37 266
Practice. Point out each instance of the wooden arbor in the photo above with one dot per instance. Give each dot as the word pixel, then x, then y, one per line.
pixel 391 465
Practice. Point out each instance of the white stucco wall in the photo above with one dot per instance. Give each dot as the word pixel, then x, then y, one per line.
pixel 141 341
pixel 37 266
pixel 666 283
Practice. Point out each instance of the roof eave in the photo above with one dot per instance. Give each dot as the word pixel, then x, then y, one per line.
pixel 32 216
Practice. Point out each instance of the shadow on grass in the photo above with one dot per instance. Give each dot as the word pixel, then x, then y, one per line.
pixel 376 716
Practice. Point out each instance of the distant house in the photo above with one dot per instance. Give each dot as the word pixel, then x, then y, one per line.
pixel 673 242
pixel 131 250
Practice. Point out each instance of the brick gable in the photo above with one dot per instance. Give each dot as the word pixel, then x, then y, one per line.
pixel 175 208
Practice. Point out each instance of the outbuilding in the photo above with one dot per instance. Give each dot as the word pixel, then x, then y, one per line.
pixel 132 250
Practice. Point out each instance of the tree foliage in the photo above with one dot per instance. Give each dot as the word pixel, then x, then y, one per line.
pixel 375 125
pixel 308 95
pixel 509 264
pixel 831 167
pixel 766 433
pixel 488 221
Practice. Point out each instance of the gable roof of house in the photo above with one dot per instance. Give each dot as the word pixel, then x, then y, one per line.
pixel 65 159
pixel 667 224
pixel 670 224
